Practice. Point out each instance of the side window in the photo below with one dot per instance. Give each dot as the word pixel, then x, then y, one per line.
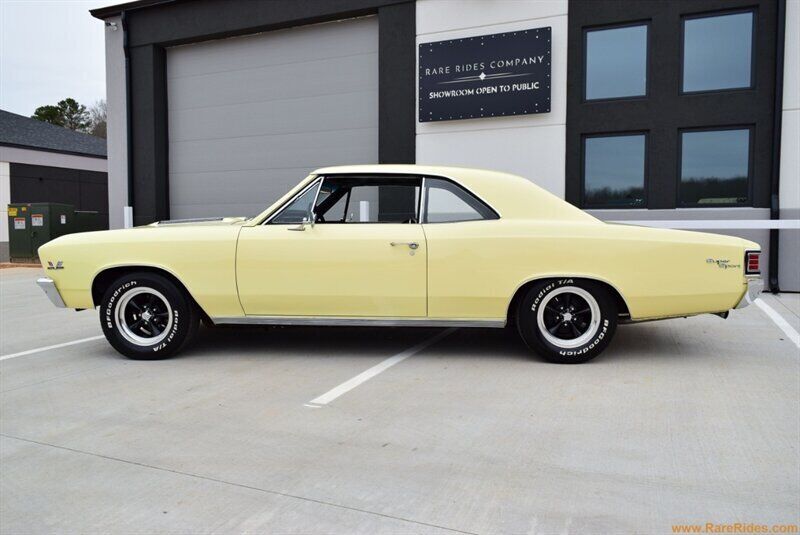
pixel 446 202
pixel 298 209
pixel 368 200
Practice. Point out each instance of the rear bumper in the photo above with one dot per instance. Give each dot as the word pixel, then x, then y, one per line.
pixel 51 291
pixel 754 288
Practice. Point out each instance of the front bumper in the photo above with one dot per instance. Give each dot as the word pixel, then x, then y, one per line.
pixel 51 291
pixel 754 288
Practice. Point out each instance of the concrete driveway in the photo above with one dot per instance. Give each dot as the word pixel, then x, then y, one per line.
pixel 685 421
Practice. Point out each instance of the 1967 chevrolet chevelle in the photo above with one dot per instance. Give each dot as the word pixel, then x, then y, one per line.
pixel 400 245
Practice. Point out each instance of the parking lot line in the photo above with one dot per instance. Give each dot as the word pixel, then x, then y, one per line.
pixel 366 375
pixel 48 348
pixel 779 321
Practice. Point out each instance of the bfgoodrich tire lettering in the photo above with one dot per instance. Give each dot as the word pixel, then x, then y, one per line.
pixel 146 316
pixel 567 321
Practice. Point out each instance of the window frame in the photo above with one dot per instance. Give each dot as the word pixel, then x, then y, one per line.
pixel 316 182
pixel 646 172
pixel 753 49
pixel 751 128
pixel 424 202
pixel 421 206
pixel 418 207
pixel 585 60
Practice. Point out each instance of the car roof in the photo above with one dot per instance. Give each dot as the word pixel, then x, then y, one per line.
pixel 510 195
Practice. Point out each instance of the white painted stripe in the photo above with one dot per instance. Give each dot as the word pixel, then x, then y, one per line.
pixel 779 321
pixel 364 376
pixel 786 224
pixel 48 348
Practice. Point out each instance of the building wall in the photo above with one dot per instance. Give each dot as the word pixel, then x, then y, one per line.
pixel 85 190
pixel 13 155
pixel 5 198
pixel 789 248
pixel 531 145
pixel 53 159
pixel 117 124
pixel 534 146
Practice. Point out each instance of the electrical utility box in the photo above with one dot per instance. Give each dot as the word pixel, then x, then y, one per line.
pixel 31 225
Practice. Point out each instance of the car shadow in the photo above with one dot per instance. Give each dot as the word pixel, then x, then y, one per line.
pixel 367 342
pixel 631 342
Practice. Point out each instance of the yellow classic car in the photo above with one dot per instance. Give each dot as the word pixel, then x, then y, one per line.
pixel 400 245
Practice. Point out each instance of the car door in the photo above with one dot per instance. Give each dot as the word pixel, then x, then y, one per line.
pixel 364 256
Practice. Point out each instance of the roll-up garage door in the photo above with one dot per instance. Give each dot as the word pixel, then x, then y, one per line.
pixel 250 116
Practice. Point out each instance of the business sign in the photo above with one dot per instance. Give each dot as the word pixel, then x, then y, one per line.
pixel 485 76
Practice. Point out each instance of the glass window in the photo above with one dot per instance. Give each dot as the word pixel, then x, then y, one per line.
pixel 717 52
pixel 298 209
pixel 616 62
pixel 613 171
pixel 715 167
pixel 446 202
pixel 368 200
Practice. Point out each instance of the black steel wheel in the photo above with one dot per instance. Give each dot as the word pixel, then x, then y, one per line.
pixel 568 321
pixel 146 316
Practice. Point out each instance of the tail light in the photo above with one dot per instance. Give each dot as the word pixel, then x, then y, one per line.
pixel 752 263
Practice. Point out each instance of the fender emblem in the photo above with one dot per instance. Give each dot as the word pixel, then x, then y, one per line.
pixel 722 263
pixel 58 265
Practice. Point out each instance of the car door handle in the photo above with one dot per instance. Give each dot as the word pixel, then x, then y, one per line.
pixel 411 244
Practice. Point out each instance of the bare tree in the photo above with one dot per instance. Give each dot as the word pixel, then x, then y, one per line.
pixel 97 119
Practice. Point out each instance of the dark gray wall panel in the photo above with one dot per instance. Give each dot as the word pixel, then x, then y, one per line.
pixel 249 116
pixel 665 110
pixel 86 190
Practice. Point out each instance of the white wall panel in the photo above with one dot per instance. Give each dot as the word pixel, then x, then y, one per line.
pixel 535 153
pixel 531 145
pixel 117 133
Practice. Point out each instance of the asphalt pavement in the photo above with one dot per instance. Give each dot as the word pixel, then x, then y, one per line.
pixel 361 430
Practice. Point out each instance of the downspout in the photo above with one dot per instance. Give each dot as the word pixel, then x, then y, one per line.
pixel 774 208
pixel 128 119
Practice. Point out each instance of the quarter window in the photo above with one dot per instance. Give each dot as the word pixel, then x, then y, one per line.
pixel 715 167
pixel 613 171
pixel 717 52
pixel 616 62
pixel 446 202
pixel 298 209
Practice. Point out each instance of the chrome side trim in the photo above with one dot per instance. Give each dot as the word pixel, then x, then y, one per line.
pixel 51 291
pixel 337 321
pixel 755 285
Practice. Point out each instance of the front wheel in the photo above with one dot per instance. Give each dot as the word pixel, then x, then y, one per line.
pixel 567 321
pixel 147 317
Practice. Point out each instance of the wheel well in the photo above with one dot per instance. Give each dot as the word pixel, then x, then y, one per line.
pixel 105 278
pixel 622 307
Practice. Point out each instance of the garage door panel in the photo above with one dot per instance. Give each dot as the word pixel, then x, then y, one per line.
pixel 312 78
pixel 321 113
pixel 249 117
pixel 276 48
pixel 252 188
pixel 215 209
pixel 306 151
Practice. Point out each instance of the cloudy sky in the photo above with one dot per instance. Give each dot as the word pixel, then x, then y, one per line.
pixel 50 50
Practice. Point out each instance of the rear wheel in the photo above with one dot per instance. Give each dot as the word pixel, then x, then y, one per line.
pixel 567 321
pixel 146 316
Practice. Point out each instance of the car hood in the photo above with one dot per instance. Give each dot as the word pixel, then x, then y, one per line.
pixel 200 221
pixel 161 231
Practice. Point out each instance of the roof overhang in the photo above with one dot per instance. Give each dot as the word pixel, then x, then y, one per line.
pixel 112 11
